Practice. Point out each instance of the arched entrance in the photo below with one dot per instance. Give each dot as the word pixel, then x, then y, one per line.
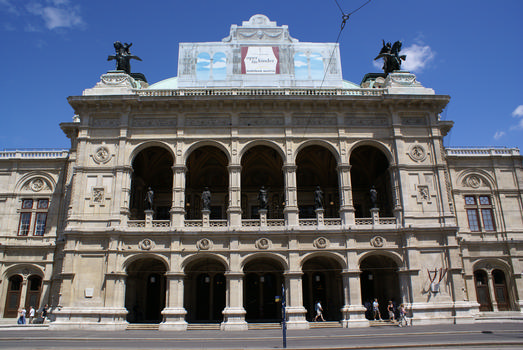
pixel 34 290
pixel 263 282
pixel 316 166
pixel 501 290
pixel 145 291
pixel 12 302
pixel 207 167
pixel 262 166
pixel 152 167
pixel 370 168
pixel 322 282
pixel 205 289
pixel 482 292
pixel 379 280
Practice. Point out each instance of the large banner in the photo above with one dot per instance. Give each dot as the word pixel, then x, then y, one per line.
pixel 260 60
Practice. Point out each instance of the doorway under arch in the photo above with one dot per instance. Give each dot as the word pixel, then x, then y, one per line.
pixel 322 282
pixel 379 280
pixel 262 284
pixel 145 291
pixel 482 290
pixel 205 289
pixel 12 302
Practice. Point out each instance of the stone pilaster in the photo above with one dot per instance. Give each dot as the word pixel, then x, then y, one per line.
pixel 174 312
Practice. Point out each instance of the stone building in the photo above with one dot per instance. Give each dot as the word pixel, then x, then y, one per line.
pixel 338 192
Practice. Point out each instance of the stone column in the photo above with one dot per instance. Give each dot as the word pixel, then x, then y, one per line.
pixel 174 312
pixel 395 179
pixel 320 214
pixel 492 290
pixel 149 218
pixel 126 173
pixel 234 313
pixel 206 214
pixel 290 211
pixel 234 211
pixel 295 312
pixel 178 197
pixel 346 205
pixel 263 217
pixel 353 311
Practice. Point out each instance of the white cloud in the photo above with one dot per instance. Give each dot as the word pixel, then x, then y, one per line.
pixel 418 57
pixel 499 134
pixel 59 15
pixel 518 112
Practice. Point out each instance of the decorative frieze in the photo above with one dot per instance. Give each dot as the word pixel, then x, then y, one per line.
pixel 143 122
pixel 366 121
pixel 314 120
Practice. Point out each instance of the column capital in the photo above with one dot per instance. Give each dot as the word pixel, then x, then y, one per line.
pixel 344 166
pixel 289 167
pixel 179 168
pixel 232 167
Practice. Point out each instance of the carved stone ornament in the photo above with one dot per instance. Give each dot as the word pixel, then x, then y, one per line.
pixel 146 244
pixel 377 241
pixel 101 156
pixel 204 244
pixel 262 243
pixel 473 181
pixel 98 194
pixel 37 184
pixel 417 153
pixel 423 194
pixel 321 242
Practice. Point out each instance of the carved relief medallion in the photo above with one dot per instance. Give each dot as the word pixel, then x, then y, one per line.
pixel 417 153
pixel 98 194
pixel 204 244
pixel 262 243
pixel 377 241
pixel 146 244
pixel 101 156
pixel 37 184
pixel 321 242
pixel 473 181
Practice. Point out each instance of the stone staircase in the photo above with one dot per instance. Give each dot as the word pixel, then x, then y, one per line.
pixel 258 326
pixel 500 316
pixel 383 323
pixel 142 327
pixel 203 327
pixel 326 324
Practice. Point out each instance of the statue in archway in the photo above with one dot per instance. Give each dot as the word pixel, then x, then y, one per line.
pixel 123 56
pixel 373 197
pixel 149 199
pixel 206 199
pixel 318 198
pixel 391 58
pixel 263 198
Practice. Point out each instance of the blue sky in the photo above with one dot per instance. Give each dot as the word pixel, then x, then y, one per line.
pixel 470 50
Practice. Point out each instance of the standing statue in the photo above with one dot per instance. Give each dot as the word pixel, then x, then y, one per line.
pixel 206 199
pixel 149 198
pixel 373 198
pixel 123 56
pixel 318 198
pixel 391 57
pixel 262 198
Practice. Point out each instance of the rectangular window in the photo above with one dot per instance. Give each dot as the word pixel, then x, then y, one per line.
pixel 25 223
pixel 41 219
pixel 488 221
pixel 476 205
pixel 33 218
pixel 473 219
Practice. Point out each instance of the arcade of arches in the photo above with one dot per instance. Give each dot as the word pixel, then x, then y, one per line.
pixel 205 288
pixel 208 167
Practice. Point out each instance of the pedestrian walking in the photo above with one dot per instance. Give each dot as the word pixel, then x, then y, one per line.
pixel 319 311
pixel 21 316
pixel 403 316
pixel 43 313
pixel 390 309
pixel 376 309
pixel 31 314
